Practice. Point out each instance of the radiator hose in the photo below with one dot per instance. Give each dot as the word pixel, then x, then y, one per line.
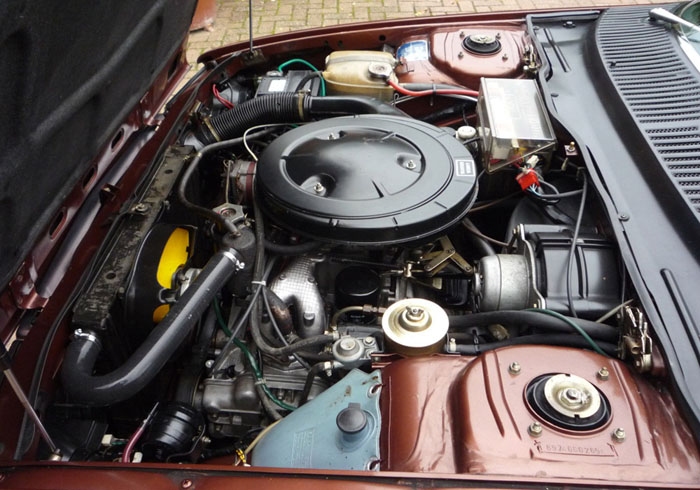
pixel 82 386
pixel 287 107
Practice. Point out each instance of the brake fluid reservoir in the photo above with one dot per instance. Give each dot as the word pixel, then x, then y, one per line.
pixel 360 73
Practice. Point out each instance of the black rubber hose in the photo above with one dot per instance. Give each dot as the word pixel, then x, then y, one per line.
pixel 297 249
pixel 146 362
pixel 268 405
pixel 245 245
pixel 288 107
pixel 560 339
pixel 535 320
pixel 343 105
pixel 189 171
pixel 286 350
pixel 315 370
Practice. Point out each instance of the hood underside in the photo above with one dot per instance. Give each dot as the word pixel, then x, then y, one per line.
pixel 69 75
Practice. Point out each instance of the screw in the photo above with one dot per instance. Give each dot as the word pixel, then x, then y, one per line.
pixel 453 345
pixel 186 483
pixel 310 279
pixel 514 368
pixel 140 208
pixel 498 35
pixel 504 57
pixel 619 435
pixel 369 340
pixel 623 217
pixel 535 429
pixel 410 165
pixel 209 364
pixel 318 187
pixel 460 55
pixel 461 34
pixel 603 374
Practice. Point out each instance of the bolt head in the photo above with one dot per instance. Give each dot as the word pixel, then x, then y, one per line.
pixel 535 429
pixel 369 340
pixel 514 368
pixel 186 483
pixel 460 55
pixel 619 435
pixel 603 374
pixel 318 187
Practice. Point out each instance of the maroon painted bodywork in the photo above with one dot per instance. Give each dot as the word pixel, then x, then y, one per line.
pixel 484 429
pixel 401 447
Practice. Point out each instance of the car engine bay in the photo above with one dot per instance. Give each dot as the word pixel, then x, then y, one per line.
pixel 374 268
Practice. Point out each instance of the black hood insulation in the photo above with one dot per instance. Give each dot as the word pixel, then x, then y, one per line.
pixel 70 73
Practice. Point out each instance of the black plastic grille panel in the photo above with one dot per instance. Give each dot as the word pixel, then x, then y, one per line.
pixel 661 89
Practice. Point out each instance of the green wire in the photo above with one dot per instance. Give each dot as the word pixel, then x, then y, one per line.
pixel 304 62
pixel 251 360
pixel 572 325
pixel 220 317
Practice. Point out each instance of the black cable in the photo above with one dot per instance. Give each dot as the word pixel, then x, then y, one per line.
pixel 553 197
pixel 471 228
pixel 306 79
pixel 315 370
pixel 276 327
pixel 559 339
pixel 534 319
pixel 572 250
pixel 267 404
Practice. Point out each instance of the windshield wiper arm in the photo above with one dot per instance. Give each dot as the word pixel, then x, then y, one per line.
pixel 666 16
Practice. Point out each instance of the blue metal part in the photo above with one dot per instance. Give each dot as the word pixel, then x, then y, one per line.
pixel 309 437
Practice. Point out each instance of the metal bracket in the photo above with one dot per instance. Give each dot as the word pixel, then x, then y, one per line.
pixel 439 259
pixel 635 341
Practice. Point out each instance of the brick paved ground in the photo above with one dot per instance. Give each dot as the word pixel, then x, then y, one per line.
pixel 275 16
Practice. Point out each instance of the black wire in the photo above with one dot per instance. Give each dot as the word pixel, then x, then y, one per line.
pixel 572 250
pixel 306 79
pixel 554 197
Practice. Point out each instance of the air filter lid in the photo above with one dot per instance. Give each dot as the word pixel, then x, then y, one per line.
pixel 366 179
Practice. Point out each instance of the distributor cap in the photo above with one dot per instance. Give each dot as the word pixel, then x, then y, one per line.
pixel 368 180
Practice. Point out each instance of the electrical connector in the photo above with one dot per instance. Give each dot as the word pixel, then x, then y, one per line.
pixel 527 178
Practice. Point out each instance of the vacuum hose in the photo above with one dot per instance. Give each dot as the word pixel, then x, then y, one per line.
pixel 146 362
pixel 287 107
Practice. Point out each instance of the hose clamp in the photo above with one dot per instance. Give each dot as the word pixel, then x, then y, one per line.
pixel 211 129
pixel 81 334
pixel 234 257
pixel 301 106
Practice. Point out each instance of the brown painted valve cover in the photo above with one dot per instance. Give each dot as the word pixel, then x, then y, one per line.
pixel 449 414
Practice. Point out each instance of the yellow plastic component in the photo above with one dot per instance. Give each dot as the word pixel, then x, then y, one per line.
pixel 160 312
pixel 350 73
pixel 175 254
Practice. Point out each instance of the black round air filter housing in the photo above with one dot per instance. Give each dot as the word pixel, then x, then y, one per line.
pixel 369 180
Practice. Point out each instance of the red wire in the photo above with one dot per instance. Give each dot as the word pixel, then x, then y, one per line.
pixel 221 99
pixel 126 455
pixel 445 91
